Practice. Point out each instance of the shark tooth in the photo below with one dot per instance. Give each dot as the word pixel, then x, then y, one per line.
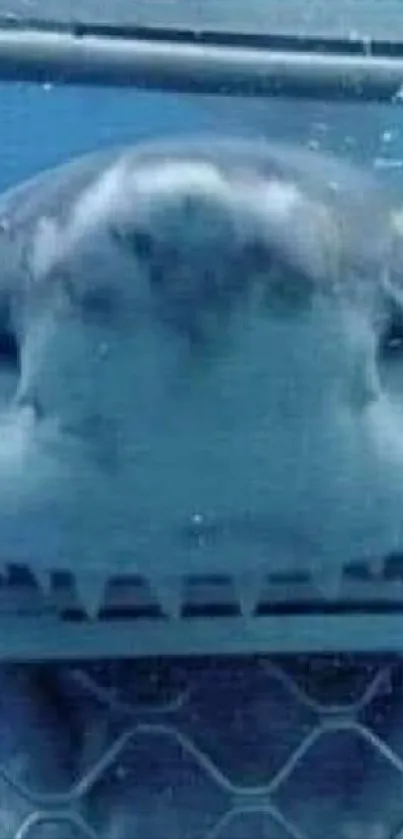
pixel 328 580
pixel 249 590
pixel 169 594
pixel 376 565
pixel 43 579
pixel 90 587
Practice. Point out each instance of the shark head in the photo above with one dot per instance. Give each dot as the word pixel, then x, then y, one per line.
pixel 209 364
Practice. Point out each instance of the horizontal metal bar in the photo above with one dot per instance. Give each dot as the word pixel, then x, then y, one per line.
pixel 69 59
pixel 50 639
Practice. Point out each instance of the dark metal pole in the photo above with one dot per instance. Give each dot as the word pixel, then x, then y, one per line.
pixel 176 65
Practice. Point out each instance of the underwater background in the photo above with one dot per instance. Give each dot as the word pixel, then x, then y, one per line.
pixel 42 126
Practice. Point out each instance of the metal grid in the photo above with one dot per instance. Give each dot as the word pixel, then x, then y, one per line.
pixel 225 749
pixel 205 746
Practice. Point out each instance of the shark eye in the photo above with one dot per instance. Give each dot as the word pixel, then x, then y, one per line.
pixel 391 339
pixel 9 344
pixel 10 363
pixel 9 350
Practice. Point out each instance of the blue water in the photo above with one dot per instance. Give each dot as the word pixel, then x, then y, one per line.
pixel 41 127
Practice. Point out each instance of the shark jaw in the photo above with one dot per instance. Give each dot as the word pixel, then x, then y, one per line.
pixel 279 451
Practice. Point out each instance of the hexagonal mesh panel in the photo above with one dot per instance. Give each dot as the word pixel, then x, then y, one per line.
pixel 193 744
pixel 262 748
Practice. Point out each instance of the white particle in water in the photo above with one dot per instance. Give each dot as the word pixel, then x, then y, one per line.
pixel 388 136
pixel 321 126
pixel 387 163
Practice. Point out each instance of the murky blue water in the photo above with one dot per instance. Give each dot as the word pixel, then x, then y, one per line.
pixel 44 126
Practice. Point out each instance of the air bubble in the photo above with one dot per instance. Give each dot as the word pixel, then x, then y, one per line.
pixel 388 136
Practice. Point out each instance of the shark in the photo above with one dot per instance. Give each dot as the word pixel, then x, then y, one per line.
pixel 201 364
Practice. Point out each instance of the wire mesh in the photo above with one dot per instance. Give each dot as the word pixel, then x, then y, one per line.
pixel 223 749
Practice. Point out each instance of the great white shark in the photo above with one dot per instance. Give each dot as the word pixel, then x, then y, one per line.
pixel 201 369
pixel 201 365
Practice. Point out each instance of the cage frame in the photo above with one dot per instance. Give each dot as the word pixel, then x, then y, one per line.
pixel 204 62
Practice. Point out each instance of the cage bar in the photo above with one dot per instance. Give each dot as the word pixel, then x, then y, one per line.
pixel 49 639
pixel 291 617
pixel 225 63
